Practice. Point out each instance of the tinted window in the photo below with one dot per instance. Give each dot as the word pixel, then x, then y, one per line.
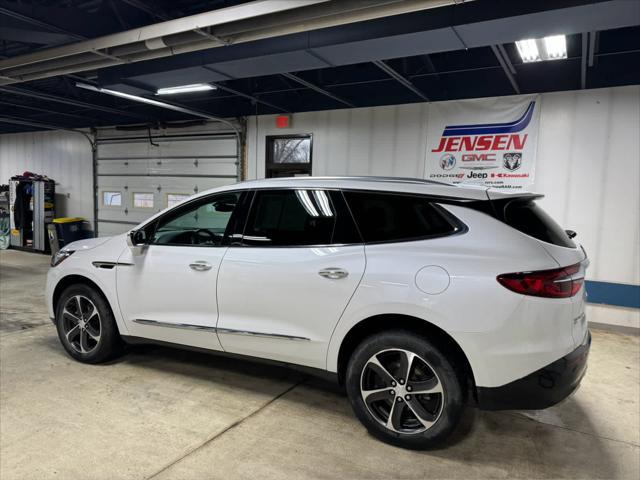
pixel 529 218
pixel 384 217
pixel 203 223
pixel 297 218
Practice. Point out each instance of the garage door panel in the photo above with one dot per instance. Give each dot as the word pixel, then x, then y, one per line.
pixel 170 166
pixel 211 146
pixel 108 229
pixel 188 184
pixel 136 179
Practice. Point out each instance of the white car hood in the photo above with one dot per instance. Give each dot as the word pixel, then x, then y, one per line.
pixel 86 244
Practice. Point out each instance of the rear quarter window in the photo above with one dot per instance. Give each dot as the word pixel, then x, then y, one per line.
pixel 389 217
pixel 529 218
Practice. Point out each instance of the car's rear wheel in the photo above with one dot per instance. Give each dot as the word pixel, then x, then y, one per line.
pixel 85 324
pixel 404 389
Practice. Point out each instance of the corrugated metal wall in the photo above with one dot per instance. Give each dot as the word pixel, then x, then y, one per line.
pixel 588 166
pixel 64 156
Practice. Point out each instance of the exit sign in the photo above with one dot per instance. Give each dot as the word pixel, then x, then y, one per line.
pixel 283 121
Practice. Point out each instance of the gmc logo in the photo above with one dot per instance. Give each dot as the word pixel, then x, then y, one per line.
pixel 478 157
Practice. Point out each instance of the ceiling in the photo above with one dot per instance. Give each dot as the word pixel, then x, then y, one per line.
pixel 464 50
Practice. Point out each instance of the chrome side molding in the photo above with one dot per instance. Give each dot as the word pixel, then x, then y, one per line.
pixel 183 326
pixel 230 331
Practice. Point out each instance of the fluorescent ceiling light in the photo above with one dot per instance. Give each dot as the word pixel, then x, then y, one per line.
pixel 547 48
pixel 528 50
pixel 556 47
pixel 196 87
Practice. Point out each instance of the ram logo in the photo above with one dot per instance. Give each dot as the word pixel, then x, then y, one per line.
pixel 512 161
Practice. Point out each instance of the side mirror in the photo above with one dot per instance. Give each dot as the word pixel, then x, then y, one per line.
pixel 224 207
pixel 137 237
pixel 571 233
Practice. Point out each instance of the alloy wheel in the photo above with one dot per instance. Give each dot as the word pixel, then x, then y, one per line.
pixel 402 391
pixel 81 324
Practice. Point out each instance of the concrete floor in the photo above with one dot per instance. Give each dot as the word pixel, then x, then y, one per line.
pixel 161 413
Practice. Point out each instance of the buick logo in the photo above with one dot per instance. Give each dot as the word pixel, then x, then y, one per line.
pixel 447 161
pixel 512 161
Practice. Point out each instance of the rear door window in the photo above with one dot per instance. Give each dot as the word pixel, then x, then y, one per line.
pixel 301 217
pixel 529 218
pixel 389 217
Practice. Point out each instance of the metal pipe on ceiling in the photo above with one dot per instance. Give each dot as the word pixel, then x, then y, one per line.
pixel 310 15
pixel 162 104
pixel 159 30
pixel 69 101
pixel 400 78
pixel 318 89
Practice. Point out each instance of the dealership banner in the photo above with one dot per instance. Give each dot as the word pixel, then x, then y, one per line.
pixel 489 142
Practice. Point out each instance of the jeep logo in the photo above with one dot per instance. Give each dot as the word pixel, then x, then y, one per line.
pixel 476 175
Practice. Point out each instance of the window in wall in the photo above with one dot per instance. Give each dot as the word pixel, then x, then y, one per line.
pixel 203 223
pixel 175 198
pixel 142 200
pixel 386 217
pixel 112 199
pixel 290 218
pixel 288 156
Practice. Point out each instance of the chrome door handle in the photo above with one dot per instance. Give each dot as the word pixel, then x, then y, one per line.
pixel 333 273
pixel 200 266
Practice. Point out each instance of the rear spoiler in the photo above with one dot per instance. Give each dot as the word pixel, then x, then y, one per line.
pixel 495 194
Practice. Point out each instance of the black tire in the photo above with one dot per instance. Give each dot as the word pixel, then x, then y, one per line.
pixel 79 341
pixel 430 369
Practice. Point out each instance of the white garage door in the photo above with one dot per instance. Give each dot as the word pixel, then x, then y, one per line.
pixel 138 174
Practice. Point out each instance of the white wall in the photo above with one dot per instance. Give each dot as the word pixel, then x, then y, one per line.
pixel 64 156
pixel 588 167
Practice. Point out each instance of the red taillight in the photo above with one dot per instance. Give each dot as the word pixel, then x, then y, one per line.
pixel 556 283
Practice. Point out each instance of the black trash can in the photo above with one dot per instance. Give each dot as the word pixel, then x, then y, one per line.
pixel 70 229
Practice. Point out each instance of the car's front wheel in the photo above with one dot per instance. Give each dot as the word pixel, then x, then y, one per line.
pixel 404 390
pixel 85 324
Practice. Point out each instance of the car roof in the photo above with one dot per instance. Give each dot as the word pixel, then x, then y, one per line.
pixel 372 183
pixel 380 184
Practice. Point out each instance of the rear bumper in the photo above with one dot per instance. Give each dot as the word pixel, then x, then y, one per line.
pixel 542 388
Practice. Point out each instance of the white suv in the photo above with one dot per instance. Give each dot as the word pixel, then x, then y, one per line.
pixel 418 296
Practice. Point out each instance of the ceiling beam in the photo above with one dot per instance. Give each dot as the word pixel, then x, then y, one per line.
pixel 318 89
pixel 159 30
pixel 588 56
pixel 505 63
pixel 31 36
pixel 399 78
pixel 250 97
pixel 584 59
pixel 154 11
pixel 44 110
pixel 68 101
pixel 39 23
pixel 593 39
pixel 29 123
